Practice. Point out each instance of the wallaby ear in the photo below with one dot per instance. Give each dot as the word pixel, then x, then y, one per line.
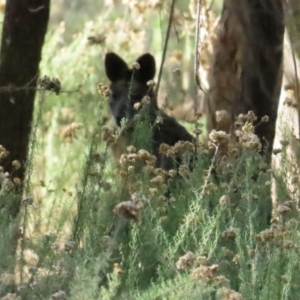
pixel 147 70
pixel 115 66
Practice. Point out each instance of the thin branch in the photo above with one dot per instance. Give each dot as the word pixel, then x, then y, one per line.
pixel 297 83
pixel 9 89
pixel 295 67
pixel 165 46
pixel 197 52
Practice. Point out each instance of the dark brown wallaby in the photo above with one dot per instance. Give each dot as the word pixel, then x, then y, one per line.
pixel 128 87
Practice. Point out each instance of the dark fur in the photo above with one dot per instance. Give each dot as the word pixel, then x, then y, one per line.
pixel 128 87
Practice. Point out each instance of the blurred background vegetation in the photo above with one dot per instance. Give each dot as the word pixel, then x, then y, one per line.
pixel 128 28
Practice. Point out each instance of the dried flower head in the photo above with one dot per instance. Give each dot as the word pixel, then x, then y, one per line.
pixel 228 294
pixel 290 99
pixel 222 115
pixel 248 127
pixel 70 245
pixel 219 137
pixel 108 134
pixel 131 149
pixel 224 200
pixel 153 191
pixel 103 90
pixel 11 296
pixel 136 66
pixel 205 272
pixel 251 116
pixel 144 154
pixel 172 173
pixel 60 295
pixel 183 170
pixel 97 39
pixel 176 72
pixel 242 118
pixel 118 269
pixel 265 119
pixel 288 245
pixel 202 260
pixel 266 236
pixel 151 83
pixel 131 169
pixel 220 280
pixel 151 161
pixel 3 152
pixel 180 148
pixel 68 134
pixel 158 180
pixel 184 147
pixel 16 164
pixel 105 185
pixel 137 105
pixel 163 148
pixel 128 210
pixel 283 209
pixel 247 138
pixel 28 200
pixel 186 261
pixel 159 120
pixel 48 84
pixel 197 131
pixel 17 181
pixel 147 157
pixel 229 234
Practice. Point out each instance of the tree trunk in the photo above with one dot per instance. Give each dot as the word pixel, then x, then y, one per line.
pixel 293 23
pixel 247 69
pixel 247 74
pixel 24 30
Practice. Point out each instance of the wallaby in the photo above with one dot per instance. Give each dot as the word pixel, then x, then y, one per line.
pixel 128 87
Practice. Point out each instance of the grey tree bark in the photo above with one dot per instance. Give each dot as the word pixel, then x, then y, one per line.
pixel 24 29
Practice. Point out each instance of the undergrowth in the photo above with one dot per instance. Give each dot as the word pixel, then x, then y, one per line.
pixel 207 238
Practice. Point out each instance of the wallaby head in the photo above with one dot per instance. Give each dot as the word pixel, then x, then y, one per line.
pixel 129 85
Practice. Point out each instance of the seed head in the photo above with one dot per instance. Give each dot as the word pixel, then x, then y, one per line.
pixel 158 180
pixel 136 66
pixel 128 210
pixel 224 200
pixel 176 72
pixel 137 105
pixel 103 90
pixel 186 261
pixel 3 152
pixel 221 115
pixel 151 83
pixel 219 137
pixel 163 148
pixel 265 119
